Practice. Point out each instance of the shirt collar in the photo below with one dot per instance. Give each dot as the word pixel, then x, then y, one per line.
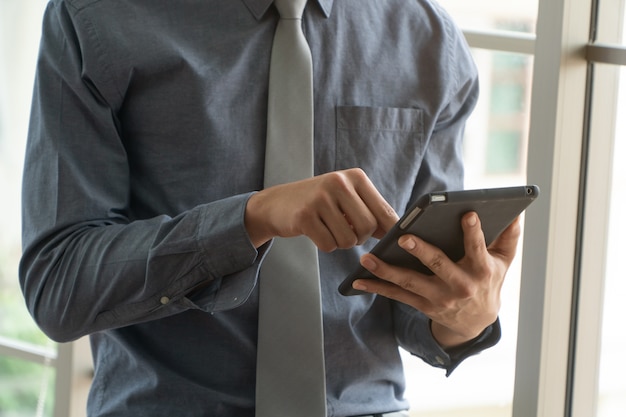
pixel 259 7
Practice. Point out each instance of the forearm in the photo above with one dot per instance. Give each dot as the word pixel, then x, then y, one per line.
pixel 98 275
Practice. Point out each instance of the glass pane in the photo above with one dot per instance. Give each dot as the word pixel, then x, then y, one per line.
pixel 20 23
pixel 514 15
pixel 612 389
pixel 26 389
pixel 495 155
pixel 611 21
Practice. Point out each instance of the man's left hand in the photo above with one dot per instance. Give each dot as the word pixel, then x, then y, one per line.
pixel 462 298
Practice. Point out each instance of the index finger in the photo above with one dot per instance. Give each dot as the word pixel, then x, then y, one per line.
pixel 386 217
pixel 431 256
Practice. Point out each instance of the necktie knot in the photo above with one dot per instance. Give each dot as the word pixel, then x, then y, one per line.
pixel 290 9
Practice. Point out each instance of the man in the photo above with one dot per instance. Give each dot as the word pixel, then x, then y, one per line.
pixel 146 221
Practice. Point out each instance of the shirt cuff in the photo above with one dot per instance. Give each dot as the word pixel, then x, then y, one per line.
pixel 416 327
pixel 488 338
pixel 231 261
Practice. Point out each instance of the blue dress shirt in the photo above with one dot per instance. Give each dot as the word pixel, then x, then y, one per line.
pixel 147 138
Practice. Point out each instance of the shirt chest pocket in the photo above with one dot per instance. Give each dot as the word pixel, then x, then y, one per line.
pixel 387 143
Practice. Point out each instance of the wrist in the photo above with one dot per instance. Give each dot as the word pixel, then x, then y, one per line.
pixel 448 338
pixel 256 222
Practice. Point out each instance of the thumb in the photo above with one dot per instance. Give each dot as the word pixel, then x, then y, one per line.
pixel 386 223
pixel 505 245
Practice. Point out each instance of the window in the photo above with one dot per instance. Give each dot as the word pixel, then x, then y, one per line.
pixel 26 355
pixel 597 370
pixel 611 387
pixel 496 137
pixel 490 15
pixel 564 364
pixel 495 155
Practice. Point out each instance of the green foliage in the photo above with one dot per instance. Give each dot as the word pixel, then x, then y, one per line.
pixel 22 382
pixel 21 385
pixel 15 321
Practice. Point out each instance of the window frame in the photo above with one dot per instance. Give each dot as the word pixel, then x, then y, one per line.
pixel 560 314
pixel 587 314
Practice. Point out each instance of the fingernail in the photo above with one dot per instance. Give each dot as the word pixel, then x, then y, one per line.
pixel 358 285
pixel 368 264
pixel 407 242
pixel 472 220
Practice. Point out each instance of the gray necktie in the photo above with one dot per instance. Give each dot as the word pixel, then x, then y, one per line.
pixel 290 359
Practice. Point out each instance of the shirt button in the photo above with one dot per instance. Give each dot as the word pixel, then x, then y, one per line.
pixel 165 300
pixel 440 360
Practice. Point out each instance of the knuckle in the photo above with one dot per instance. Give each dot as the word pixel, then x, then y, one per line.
pixel 389 211
pixel 484 269
pixel 436 262
pixel 407 283
pixel 466 291
pixel 364 231
pixel 347 242
pixel 305 216
pixel 447 303
pixel 358 173
pixel 324 243
pixel 326 247
pixel 478 244
pixel 338 181
pixel 358 177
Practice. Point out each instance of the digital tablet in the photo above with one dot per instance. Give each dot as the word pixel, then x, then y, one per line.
pixel 436 218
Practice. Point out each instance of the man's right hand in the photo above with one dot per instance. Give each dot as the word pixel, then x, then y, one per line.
pixel 339 209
